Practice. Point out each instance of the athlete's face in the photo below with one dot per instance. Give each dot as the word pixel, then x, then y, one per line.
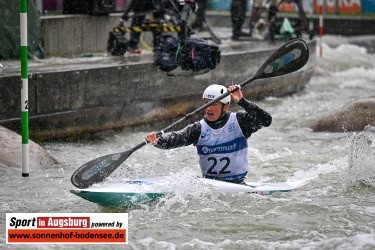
pixel 214 111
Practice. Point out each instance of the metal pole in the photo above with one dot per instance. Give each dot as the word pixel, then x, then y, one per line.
pixel 321 31
pixel 24 90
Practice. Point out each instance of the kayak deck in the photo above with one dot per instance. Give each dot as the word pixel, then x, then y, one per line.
pixel 117 199
pixel 150 190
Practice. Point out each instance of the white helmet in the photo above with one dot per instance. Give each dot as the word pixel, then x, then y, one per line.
pixel 213 91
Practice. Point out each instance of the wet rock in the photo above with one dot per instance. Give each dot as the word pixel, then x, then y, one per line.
pixel 352 117
pixel 11 151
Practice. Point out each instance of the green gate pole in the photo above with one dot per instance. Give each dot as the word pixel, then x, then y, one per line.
pixel 24 90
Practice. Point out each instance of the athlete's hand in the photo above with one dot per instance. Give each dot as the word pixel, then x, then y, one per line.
pixel 151 138
pixel 236 95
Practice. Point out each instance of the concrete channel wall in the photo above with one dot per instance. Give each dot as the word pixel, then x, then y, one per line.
pixel 75 35
pixel 117 94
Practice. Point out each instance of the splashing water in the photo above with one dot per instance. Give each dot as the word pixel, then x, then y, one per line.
pixel 361 168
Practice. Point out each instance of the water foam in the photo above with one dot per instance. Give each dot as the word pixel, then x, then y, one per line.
pixel 344 57
pixel 359 241
pixel 361 169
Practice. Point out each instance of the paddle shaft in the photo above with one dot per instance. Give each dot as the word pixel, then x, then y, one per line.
pixel 188 115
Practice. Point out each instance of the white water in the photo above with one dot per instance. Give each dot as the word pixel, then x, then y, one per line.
pixel 334 210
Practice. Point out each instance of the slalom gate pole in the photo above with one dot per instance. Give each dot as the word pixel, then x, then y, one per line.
pixel 320 30
pixel 24 89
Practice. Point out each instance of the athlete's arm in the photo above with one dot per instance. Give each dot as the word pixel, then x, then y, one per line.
pixel 187 136
pixel 253 119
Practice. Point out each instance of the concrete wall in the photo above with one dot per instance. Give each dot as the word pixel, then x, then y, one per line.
pixel 75 35
pixel 84 100
pixel 70 35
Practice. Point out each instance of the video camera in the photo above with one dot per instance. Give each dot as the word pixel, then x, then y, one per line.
pixel 190 55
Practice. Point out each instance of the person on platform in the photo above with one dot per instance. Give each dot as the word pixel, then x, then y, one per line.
pixel 255 13
pixel 140 8
pixel 238 16
pixel 221 136
pixel 200 15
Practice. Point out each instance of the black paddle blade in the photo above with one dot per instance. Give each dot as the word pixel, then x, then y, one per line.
pixel 98 169
pixel 288 58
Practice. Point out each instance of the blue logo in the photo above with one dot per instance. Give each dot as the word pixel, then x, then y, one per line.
pixel 232 127
pixel 219 149
pixel 205 133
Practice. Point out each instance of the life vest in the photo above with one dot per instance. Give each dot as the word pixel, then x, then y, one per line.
pixel 223 152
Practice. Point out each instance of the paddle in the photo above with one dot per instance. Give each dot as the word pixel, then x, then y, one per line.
pixel 288 58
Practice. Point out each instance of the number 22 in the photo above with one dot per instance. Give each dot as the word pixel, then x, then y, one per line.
pixel 222 171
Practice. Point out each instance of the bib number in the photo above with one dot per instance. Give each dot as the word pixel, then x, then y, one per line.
pixel 214 163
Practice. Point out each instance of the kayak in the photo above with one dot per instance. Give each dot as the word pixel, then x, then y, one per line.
pixel 150 190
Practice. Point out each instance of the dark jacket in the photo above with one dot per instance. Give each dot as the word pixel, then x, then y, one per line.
pixel 250 120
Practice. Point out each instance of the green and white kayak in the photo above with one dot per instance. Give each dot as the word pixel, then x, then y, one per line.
pixel 150 190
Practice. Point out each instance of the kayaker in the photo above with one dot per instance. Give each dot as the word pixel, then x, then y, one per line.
pixel 221 136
